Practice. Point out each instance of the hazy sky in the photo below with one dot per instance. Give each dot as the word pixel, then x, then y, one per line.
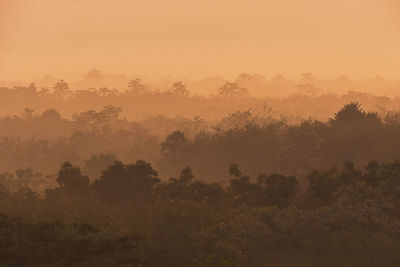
pixel 360 38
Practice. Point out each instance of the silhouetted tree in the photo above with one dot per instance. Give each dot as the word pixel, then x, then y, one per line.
pixel 136 87
pixel 61 89
pixel 71 178
pixel 186 176
pixel 93 75
pixel 179 89
pixel 121 182
pixel 278 190
pixel 234 170
pixel 174 143
pixel 230 89
pixel 353 113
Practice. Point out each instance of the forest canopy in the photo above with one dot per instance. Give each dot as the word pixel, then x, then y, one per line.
pixel 252 188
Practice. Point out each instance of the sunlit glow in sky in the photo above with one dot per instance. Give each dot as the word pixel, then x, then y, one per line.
pixel 196 38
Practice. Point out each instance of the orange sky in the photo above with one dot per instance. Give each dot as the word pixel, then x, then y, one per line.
pixel 197 38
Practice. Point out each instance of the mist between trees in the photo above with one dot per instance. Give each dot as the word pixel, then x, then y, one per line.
pixel 251 185
pixel 33 144
pixel 211 98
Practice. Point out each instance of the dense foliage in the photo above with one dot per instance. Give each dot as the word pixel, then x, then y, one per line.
pixel 92 140
pixel 129 217
pixel 251 192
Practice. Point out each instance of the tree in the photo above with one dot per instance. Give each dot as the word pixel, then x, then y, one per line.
pixel 126 182
pixel 353 113
pixel 186 176
pixel 92 119
pixel 278 190
pixel 136 87
pixel 110 113
pixel 28 113
pixel 51 115
pixel 238 119
pixel 93 76
pixel 371 177
pixel 32 89
pixel 71 179
pixel 322 187
pixel 234 170
pixel 232 89
pixel 179 89
pixel 61 89
pixel 174 143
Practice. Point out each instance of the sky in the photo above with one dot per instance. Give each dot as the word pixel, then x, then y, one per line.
pixel 199 38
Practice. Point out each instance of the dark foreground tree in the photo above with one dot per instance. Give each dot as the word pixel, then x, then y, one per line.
pixel 126 182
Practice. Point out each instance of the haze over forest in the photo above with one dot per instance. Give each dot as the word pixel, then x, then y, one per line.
pixel 199 133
